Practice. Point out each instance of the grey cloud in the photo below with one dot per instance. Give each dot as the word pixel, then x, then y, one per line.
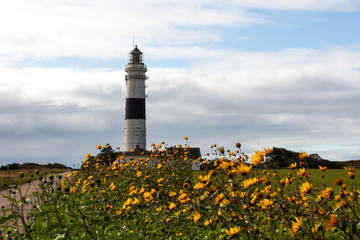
pixel 299 111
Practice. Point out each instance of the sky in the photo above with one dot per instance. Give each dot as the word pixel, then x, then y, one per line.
pixel 265 73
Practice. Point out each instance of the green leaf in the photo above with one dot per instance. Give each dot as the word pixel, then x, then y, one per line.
pixel 109 225
pixel 42 213
pixel 53 226
pixel 355 227
pixel 356 194
pixel 26 201
pixel 6 196
pixel 86 237
pixel 5 219
pixel 72 226
pixel 343 224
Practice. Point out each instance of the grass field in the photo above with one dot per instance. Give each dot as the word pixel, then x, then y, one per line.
pixel 316 175
pixel 13 176
pixel 329 176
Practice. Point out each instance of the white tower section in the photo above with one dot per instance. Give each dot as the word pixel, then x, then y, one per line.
pixel 135 120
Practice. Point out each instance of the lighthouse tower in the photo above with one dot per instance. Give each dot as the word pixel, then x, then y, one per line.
pixel 135 125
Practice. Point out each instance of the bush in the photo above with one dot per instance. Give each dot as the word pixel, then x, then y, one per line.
pixel 159 197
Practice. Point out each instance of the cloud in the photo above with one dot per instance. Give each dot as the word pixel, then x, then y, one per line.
pixel 298 98
pixel 282 99
pixel 104 29
pixel 295 98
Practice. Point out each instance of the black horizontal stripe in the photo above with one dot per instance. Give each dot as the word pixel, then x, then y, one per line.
pixel 135 108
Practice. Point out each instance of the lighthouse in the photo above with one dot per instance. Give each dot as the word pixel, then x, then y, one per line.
pixel 135 121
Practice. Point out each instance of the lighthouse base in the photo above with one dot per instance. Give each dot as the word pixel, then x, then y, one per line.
pixel 135 134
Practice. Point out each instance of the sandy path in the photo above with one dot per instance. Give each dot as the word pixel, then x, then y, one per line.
pixel 26 190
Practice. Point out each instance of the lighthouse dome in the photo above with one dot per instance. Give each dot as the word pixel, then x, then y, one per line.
pixel 136 55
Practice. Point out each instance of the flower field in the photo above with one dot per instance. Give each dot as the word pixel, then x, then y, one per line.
pixel 158 196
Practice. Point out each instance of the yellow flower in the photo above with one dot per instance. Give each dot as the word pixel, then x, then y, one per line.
pixel 199 186
pixel 341 204
pixel 182 196
pixel 350 174
pixel 327 193
pixel 219 197
pixel 331 222
pixel 207 222
pixel 98 146
pixel 232 231
pixel 242 169
pixel 257 158
pixel 112 186
pixel 256 196
pixel 349 168
pixel 322 168
pixel 142 190
pixel 203 178
pixel 179 234
pixel 302 172
pixel 186 138
pixel 225 201
pixel 186 209
pixel 249 182
pixel 238 145
pixel 135 201
pixel 148 197
pixel 292 165
pixel 296 225
pixel 172 206
pixel 139 173
pixel 265 203
pixel 197 216
pixel 159 166
pixel 160 180
pixel 243 194
pixel 268 151
pixel 233 194
pixel 305 188
pixel 224 165
pixel 127 203
pixel 337 182
pixel 303 155
pixel 172 194
pixel 315 228
pixel 72 190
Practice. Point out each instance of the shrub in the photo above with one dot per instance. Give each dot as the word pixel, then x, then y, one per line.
pixel 159 197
